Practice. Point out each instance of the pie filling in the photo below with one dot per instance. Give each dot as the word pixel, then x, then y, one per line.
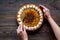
pixel 30 17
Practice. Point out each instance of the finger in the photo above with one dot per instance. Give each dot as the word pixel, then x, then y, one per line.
pixel 18 26
pixel 41 6
pixel 18 31
pixel 44 10
pixel 23 27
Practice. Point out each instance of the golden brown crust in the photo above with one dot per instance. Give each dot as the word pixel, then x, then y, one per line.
pixel 34 14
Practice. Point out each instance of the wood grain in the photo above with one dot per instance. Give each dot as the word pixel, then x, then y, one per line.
pixel 8 24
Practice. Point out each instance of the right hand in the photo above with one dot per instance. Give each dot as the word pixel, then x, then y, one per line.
pixel 45 11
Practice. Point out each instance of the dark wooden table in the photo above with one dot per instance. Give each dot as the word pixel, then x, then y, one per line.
pixel 8 24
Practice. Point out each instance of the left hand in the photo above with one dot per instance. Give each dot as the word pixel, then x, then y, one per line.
pixel 21 32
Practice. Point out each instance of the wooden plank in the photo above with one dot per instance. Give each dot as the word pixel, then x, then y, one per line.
pixel 11 19
pixel 37 36
pixel 8 25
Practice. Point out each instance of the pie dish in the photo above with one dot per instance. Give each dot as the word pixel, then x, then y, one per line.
pixel 31 16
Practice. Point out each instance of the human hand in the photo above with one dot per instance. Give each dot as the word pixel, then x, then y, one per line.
pixel 45 11
pixel 21 32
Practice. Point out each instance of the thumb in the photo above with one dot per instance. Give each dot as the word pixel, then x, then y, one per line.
pixel 23 27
